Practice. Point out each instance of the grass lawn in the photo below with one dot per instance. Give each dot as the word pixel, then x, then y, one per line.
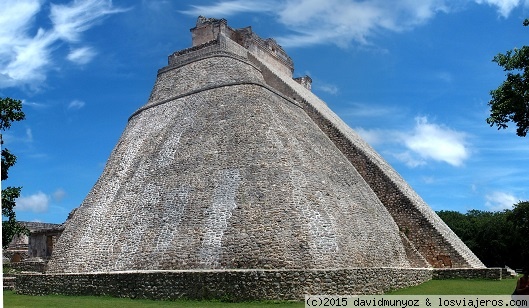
pixel 433 287
pixel 12 300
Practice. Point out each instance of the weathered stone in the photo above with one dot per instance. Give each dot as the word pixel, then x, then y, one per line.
pixel 232 164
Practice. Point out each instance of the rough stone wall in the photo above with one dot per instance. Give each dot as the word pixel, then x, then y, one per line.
pixel 428 233
pixel 220 171
pixel 241 285
pixel 30 266
pixel 237 285
pixel 233 164
pixel 468 273
pixel 208 29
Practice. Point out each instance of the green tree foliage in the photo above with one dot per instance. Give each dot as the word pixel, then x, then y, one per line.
pixel 510 101
pixel 497 238
pixel 519 217
pixel 10 111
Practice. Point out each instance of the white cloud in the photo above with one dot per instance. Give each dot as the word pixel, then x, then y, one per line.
pixel 59 194
pixel 16 18
pixel 368 110
pixel 425 142
pixel 437 142
pixel 33 104
pixel 504 6
pixel 29 134
pixel 409 159
pixel 341 22
pixel 331 21
pixel 228 8
pixel 26 57
pixel 498 201
pixel 69 21
pixel 379 136
pixel 76 104
pixel 81 55
pixel 327 88
pixel 36 203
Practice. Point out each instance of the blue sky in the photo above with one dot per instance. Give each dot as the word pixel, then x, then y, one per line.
pixel 412 77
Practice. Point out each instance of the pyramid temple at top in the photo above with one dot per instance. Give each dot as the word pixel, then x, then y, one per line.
pixel 233 164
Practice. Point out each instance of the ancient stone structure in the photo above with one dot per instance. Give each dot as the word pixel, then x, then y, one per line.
pixel 232 166
pixel 37 245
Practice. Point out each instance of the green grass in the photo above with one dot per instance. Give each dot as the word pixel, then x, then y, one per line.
pixel 433 287
pixel 12 300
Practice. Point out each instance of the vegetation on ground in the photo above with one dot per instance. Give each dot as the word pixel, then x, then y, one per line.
pixel 496 238
pixel 433 287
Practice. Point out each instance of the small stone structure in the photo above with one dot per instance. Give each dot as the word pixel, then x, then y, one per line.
pixel 38 245
pixel 235 179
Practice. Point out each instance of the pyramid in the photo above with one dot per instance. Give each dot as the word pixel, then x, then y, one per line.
pixel 233 164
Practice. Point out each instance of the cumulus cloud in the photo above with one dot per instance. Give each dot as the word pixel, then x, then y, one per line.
pixel 437 142
pixel 26 57
pixel 426 142
pixel 36 203
pixel 499 201
pixel 341 22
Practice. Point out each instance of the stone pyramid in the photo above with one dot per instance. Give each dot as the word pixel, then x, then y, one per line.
pixel 233 164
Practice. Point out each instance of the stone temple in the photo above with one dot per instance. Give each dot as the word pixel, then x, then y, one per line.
pixel 235 171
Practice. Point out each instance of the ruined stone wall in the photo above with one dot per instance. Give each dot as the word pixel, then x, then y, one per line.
pixel 237 285
pixel 209 29
pixel 267 51
pixel 428 233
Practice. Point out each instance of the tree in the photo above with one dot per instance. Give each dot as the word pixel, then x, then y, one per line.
pixel 492 236
pixel 519 216
pixel 510 101
pixel 10 111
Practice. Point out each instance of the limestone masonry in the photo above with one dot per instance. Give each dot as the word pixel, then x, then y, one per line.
pixel 234 165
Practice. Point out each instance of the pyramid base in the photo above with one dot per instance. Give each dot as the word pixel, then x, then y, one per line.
pixel 235 285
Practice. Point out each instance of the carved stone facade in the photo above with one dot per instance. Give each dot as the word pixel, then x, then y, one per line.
pixel 232 164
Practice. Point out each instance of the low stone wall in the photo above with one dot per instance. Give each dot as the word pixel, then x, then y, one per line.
pixel 30 266
pixel 467 273
pixel 236 285
pixel 240 285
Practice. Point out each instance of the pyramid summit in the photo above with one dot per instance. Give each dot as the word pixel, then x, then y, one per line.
pixel 233 166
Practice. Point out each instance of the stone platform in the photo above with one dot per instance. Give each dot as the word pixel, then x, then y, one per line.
pixel 239 285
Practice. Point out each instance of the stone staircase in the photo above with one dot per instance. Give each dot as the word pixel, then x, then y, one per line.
pixel 508 272
pixel 30 266
pixel 9 282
